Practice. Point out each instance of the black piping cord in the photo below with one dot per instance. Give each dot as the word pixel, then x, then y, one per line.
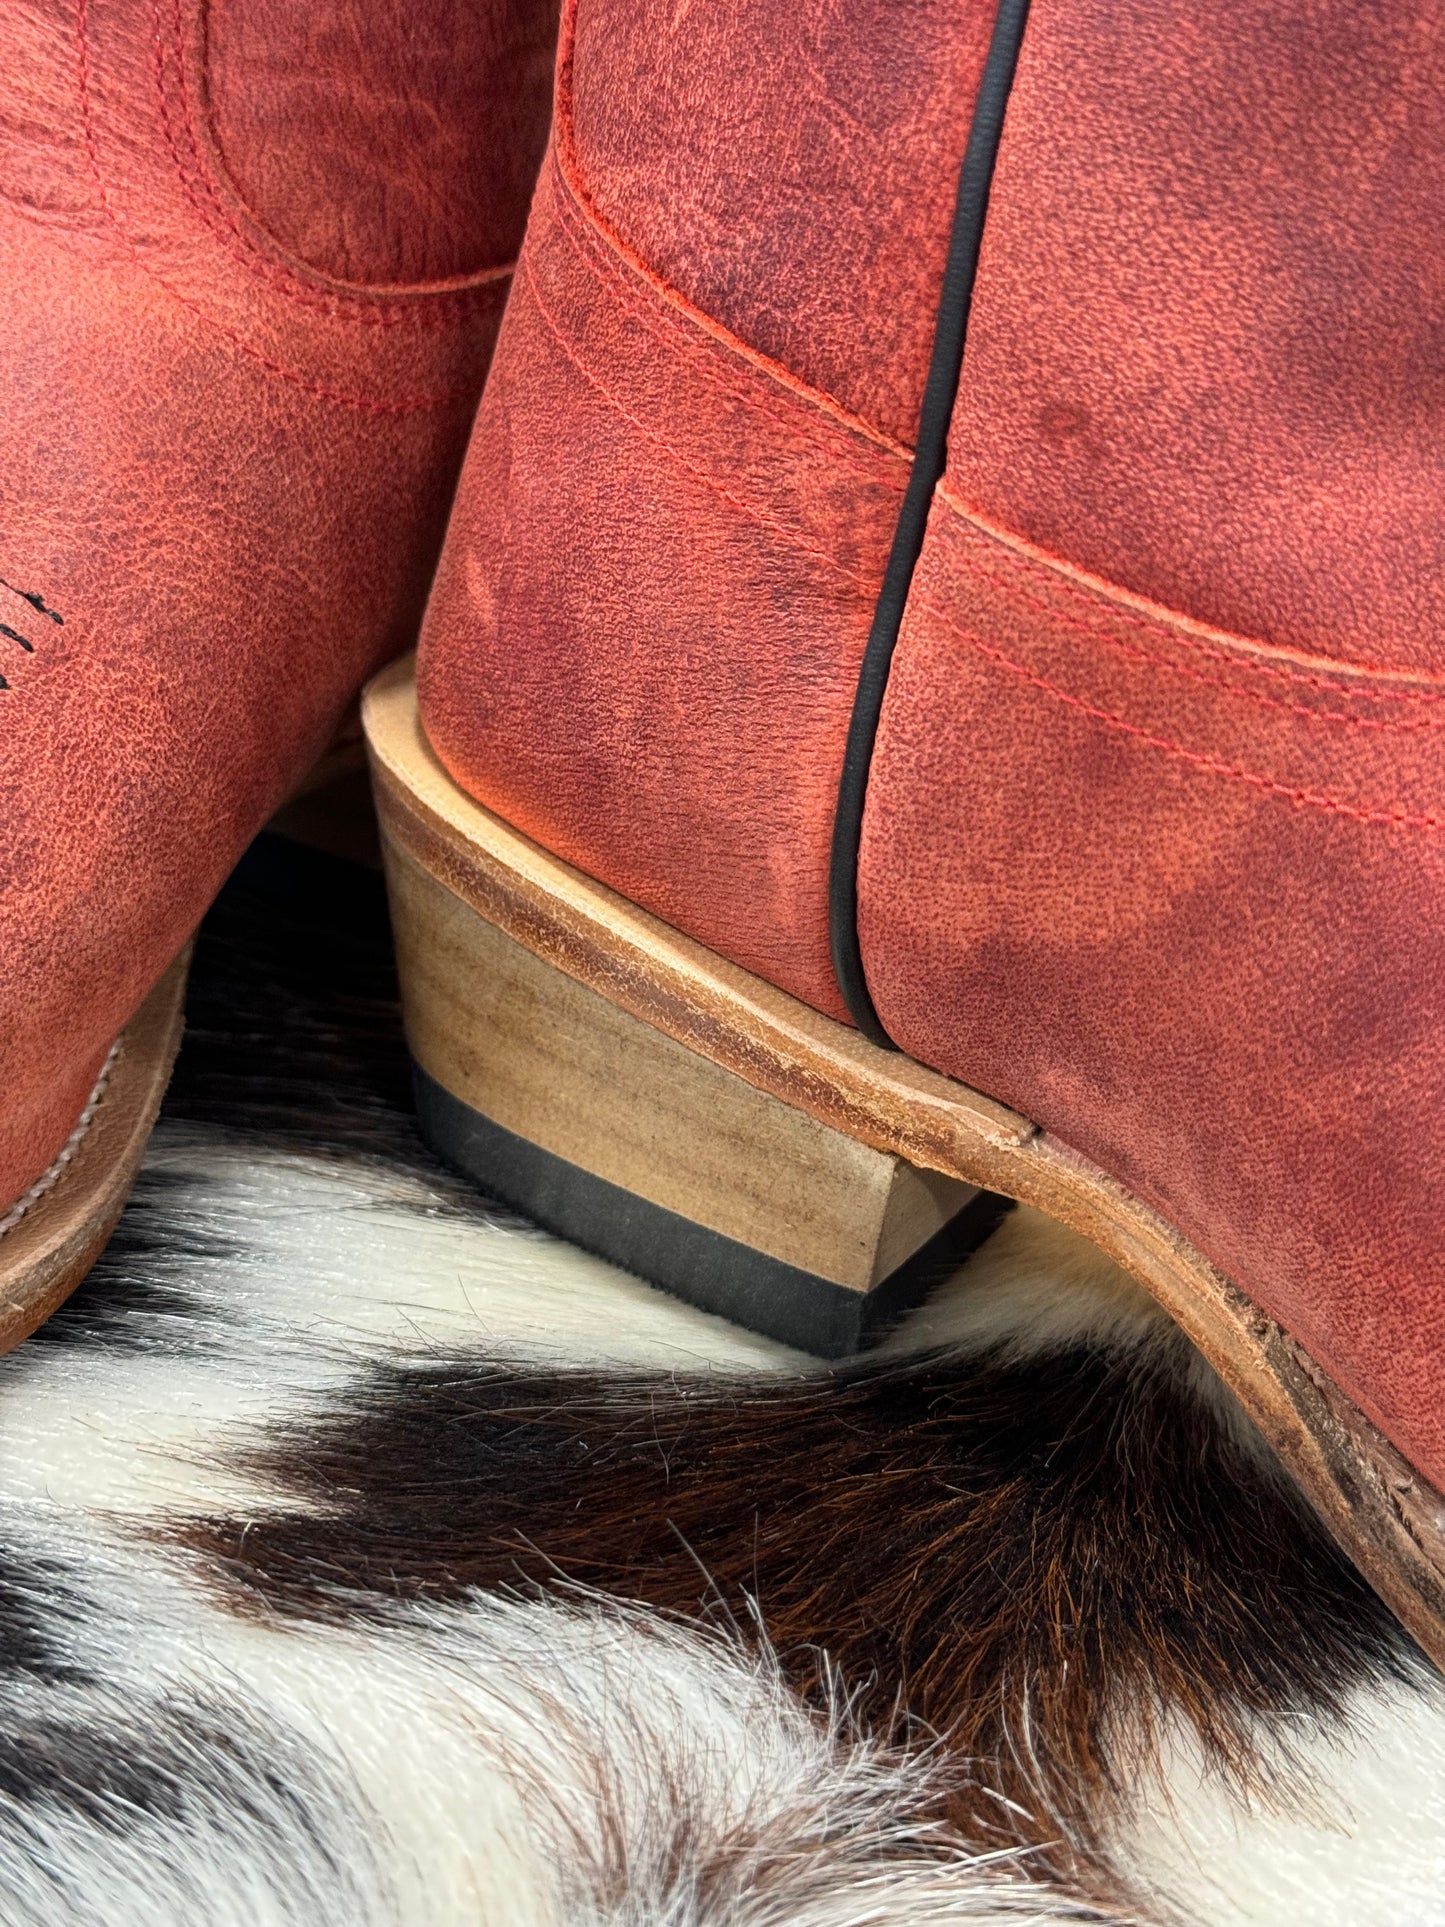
pixel 944 368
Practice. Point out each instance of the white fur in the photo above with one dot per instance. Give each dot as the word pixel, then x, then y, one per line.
pixel 1364 1843
pixel 497 1764
pixel 341 1263
pixel 1037 1287
pixel 512 1762
pixel 501 1762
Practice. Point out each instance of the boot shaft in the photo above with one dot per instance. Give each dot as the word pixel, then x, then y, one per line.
pixel 1151 848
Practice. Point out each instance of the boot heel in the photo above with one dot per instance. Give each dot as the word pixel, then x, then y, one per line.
pixel 633 1146
pixel 648 1099
pixel 556 1098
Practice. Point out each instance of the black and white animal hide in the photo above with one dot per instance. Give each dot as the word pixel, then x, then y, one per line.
pixel 369 1558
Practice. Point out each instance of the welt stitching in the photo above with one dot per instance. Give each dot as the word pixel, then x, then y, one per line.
pixel 400 406
pixel 63 1158
pixel 594 262
pixel 1312 799
pixel 1100 634
pixel 339 307
pixel 737 501
pixel 1162 631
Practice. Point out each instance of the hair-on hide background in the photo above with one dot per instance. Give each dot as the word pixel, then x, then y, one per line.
pixel 369 1556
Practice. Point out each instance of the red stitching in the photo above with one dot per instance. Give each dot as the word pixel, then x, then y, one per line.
pixel 1313 799
pixel 1186 641
pixel 564 150
pixel 401 406
pixel 754 514
pixel 1093 630
pixel 602 270
pixel 247 255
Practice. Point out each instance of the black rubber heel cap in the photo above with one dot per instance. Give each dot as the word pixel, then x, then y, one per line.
pixel 717 1274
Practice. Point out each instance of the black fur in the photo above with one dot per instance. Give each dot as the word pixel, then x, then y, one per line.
pixel 1034 1560
pixel 1059 1548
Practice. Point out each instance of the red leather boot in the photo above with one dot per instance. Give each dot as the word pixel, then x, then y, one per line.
pixel 1093 695
pixel 254 259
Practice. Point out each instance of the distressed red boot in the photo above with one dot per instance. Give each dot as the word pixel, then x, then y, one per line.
pixel 254 259
pixel 953 542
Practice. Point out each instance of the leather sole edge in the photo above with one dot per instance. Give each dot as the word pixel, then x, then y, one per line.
pixel 1389 1521
pixel 46 1252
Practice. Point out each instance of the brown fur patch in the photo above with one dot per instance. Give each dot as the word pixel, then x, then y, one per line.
pixel 1036 1561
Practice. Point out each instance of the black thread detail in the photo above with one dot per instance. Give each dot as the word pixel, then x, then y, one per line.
pixel 37 602
pixel 15 636
pixel 944 368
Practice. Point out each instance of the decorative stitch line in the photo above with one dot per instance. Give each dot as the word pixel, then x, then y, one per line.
pixel 1186 641
pixel 701 475
pixel 287 284
pixel 403 405
pixel 564 148
pixel 570 215
pixel 52 1175
pixel 1100 634
pixel 1313 799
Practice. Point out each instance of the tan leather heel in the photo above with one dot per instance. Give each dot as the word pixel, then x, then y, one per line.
pixel 530 988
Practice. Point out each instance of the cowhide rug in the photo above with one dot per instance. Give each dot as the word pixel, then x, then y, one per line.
pixel 368 1557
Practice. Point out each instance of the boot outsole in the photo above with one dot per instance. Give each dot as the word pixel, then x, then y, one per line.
pixel 534 995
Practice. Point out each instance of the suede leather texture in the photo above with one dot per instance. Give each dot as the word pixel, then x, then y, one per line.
pixel 1153 845
pixel 647 624
pixel 1205 345
pixel 789 171
pixel 377 140
pixel 223 482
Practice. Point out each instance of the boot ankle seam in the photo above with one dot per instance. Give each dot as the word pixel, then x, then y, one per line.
pixel 1099 631
pixel 280 275
pixel 1174 626
pixel 780 529
pixel 397 405
pixel 1418 822
pixel 570 213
